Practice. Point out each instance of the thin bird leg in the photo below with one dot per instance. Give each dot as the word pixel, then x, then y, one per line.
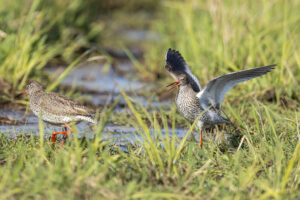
pixel 66 134
pixel 200 144
pixel 69 127
pixel 54 135
pixel 65 137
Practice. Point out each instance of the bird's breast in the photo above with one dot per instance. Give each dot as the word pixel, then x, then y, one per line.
pixel 188 105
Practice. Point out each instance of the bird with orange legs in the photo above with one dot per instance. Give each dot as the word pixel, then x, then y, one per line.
pixel 204 105
pixel 56 109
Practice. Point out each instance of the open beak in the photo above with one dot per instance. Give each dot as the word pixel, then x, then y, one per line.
pixel 22 93
pixel 173 85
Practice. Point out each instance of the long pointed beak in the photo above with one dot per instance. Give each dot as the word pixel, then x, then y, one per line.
pixel 22 93
pixel 173 85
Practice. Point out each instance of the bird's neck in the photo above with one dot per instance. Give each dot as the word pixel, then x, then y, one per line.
pixel 185 91
pixel 36 93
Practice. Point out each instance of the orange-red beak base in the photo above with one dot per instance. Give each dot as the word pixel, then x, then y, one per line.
pixel 22 93
pixel 173 85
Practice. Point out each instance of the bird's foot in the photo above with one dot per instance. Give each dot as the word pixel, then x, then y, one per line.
pixel 65 133
pixel 53 139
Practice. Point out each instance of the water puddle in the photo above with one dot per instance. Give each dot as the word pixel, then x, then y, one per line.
pixel 95 78
pixel 103 99
pixel 120 135
pixel 101 85
pixel 141 35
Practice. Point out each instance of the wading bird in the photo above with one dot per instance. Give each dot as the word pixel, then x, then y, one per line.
pixel 193 102
pixel 56 109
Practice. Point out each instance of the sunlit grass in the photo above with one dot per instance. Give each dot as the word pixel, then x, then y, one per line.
pixel 264 164
pixel 37 33
pixel 260 160
pixel 217 37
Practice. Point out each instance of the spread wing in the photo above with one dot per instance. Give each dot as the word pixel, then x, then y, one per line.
pixel 215 91
pixel 176 65
pixel 59 104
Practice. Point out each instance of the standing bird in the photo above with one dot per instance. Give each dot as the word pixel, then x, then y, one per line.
pixel 205 104
pixel 55 108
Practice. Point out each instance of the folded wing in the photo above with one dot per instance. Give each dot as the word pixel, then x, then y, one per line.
pixel 58 104
pixel 215 91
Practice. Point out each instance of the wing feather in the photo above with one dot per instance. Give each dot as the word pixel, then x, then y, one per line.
pixel 59 104
pixel 176 64
pixel 215 91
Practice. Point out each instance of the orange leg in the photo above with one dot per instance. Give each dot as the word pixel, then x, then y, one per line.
pixel 56 133
pixel 67 125
pixel 64 139
pixel 200 144
pixel 65 132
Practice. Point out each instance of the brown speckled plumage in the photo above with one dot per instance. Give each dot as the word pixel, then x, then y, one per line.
pixel 192 101
pixel 55 108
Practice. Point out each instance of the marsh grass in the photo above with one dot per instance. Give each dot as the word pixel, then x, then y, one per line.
pixel 260 161
pixel 36 33
pixel 217 37
pixel 160 166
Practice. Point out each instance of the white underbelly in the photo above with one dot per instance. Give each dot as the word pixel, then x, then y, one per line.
pixel 55 119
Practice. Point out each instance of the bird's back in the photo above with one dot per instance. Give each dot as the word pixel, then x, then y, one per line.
pixel 59 104
pixel 59 109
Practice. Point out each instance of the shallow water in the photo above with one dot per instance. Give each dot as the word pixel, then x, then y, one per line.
pixel 95 78
pixel 104 86
pixel 100 87
pixel 140 35
pixel 120 135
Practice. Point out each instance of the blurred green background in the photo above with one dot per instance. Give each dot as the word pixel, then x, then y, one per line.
pixel 214 37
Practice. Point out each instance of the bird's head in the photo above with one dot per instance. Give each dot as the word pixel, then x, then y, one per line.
pixel 31 88
pixel 181 80
pixel 175 65
pixel 179 70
